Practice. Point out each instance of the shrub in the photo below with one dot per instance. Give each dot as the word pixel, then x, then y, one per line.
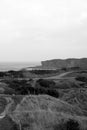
pixel 53 93
pixel 48 91
pixel 46 83
pixel 72 125
pixel 64 69
pixel 81 78
pixel 42 72
pixel 69 125
pixel 2 74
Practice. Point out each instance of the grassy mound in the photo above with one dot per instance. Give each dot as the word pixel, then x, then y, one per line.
pixel 44 112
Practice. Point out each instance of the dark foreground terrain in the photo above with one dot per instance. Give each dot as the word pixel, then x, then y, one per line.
pixel 43 99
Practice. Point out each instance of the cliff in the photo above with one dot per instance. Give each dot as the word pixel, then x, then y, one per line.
pixel 66 63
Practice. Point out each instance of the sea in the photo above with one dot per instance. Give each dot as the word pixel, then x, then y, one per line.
pixel 6 66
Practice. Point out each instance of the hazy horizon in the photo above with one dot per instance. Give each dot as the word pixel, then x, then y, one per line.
pixel 38 30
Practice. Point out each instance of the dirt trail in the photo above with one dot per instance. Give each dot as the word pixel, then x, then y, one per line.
pixel 59 76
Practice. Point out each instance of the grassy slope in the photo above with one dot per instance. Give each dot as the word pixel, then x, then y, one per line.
pixel 42 112
pixel 45 113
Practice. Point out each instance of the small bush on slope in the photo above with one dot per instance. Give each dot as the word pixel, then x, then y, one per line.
pixel 67 84
pixel 41 90
pixel 8 124
pixel 46 83
pixel 68 125
pixel 81 78
pixel 72 125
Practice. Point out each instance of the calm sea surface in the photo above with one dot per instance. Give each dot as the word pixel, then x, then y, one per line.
pixel 16 65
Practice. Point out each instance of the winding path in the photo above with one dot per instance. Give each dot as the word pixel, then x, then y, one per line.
pixel 59 76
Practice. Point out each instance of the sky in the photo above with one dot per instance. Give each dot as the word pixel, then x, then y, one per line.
pixel 37 30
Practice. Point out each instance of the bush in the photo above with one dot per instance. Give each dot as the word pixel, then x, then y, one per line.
pixel 42 72
pixel 69 125
pixel 53 93
pixel 48 91
pixel 81 78
pixel 64 69
pixel 72 125
pixel 46 83
pixel 2 74
pixel 25 88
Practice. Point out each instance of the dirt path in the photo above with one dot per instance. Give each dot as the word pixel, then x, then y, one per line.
pixel 59 76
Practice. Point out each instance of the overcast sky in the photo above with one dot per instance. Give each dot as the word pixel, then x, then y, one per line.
pixel 36 30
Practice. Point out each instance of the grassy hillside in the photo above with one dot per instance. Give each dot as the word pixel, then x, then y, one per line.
pixel 47 113
pixel 44 104
pixel 41 112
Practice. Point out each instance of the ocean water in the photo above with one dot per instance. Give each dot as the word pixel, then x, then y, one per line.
pixel 6 66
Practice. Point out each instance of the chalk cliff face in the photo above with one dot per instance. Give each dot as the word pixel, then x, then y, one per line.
pixel 59 63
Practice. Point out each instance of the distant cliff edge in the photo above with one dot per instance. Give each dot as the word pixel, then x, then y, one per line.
pixel 65 63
